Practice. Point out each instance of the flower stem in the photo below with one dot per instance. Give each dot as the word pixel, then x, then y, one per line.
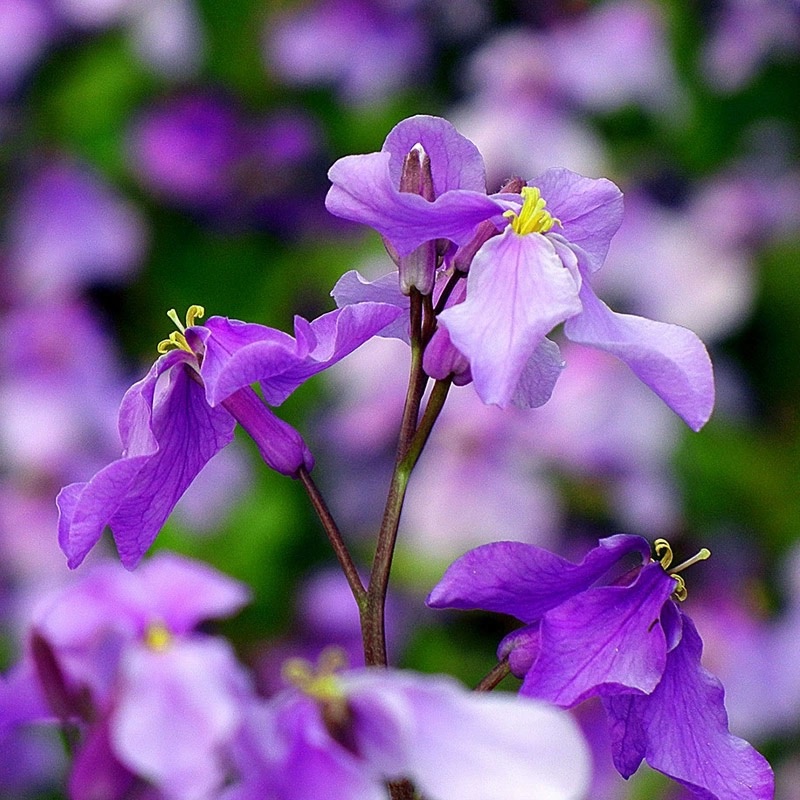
pixel 493 677
pixel 334 537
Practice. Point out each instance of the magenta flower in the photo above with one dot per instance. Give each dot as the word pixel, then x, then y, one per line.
pixel 530 259
pixel 184 411
pixel 346 734
pixel 628 643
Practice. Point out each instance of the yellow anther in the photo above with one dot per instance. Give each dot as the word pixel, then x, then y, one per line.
pixel 177 340
pixel 319 682
pixel 533 217
pixel 157 637
pixel 663 552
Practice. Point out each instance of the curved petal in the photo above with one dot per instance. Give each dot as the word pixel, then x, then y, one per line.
pixel 456 162
pixel 169 432
pixel 238 354
pixel 186 592
pixel 539 376
pixel 363 191
pixel 518 290
pixel 606 640
pixel 669 359
pixel 524 580
pixel 590 210
pixel 471 746
pixel 353 288
pixel 682 730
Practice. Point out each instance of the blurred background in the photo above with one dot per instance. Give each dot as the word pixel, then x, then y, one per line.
pixel 158 153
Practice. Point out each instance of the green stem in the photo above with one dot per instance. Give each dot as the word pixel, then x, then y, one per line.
pixel 334 537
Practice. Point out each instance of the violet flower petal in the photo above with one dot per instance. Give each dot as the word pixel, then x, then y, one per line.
pixel 187 592
pixel 524 580
pixel 466 745
pixel 363 191
pixel 539 376
pixel 518 290
pixel 589 210
pixel 238 354
pixel 456 163
pixel 168 432
pixel 175 711
pixel 605 640
pixel 681 729
pixel 353 288
pixel 669 359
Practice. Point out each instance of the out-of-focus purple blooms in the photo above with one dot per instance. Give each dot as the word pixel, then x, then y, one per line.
pixel 26 29
pixel 528 271
pixel 67 229
pixel 184 411
pixel 199 151
pixel 346 734
pixel 166 34
pixel 627 642
pixel 366 48
pixel 117 653
pixel 326 617
pixel 683 282
pixel 616 54
pixel 60 386
pixel 748 33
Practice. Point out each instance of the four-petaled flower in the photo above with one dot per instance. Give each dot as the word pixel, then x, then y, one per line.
pixel 530 257
pixel 185 409
pixel 627 642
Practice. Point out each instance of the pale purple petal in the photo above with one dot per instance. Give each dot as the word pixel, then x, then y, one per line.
pixel 168 433
pixel 539 376
pixel 186 592
pixel 669 359
pixel 518 290
pixel 606 640
pixel 175 711
pixel 363 191
pixel 681 729
pixel 456 162
pixel 589 209
pixel 353 288
pixel 470 746
pixel 523 580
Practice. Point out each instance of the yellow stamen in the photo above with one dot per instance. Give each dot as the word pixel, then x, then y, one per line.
pixel 176 339
pixel 533 216
pixel 663 551
pixel 320 682
pixel 157 637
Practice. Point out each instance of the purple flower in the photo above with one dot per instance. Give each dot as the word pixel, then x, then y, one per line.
pixel 346 734
pixel 530 261
pixel 117 655
pixel 68 229
pixel 628 643
pixel 184 411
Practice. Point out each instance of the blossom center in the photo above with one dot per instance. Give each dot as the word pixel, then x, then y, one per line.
pixel 533 217
pixel 157 637
pixel 177 339
pixel 663 551
pixel 319 682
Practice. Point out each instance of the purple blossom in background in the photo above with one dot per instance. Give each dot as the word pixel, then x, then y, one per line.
pixel 366 48
pixel 117 654
pixel 67 230
pixel 627 642
pixel 183 412
pixel 529 270
pixel 26 29
pixel 199 151
pixel 746 34
pixel 348 733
